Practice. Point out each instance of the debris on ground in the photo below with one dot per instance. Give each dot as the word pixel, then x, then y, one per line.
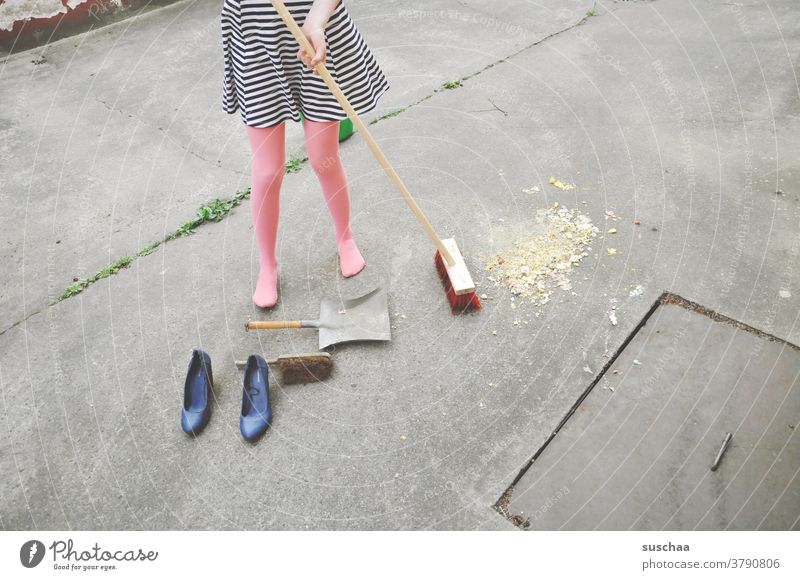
pixel 636 362
pixel 531 190
pixel 785 294
pixel 611 251
pixel 612 314
pixel 612 230
pixel 540 263
pixel 638 291
pixel 610 215
pixel 563 185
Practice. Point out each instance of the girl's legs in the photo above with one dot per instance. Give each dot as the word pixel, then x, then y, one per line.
pixel 268 167
pixel 322 143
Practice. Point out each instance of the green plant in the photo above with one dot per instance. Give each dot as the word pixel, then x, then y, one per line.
pixel 217 209
pixel 213 211
pixel 147 250
pixel 295 163
pixel 84 283
pixel 452 85
pixel 388 115
pixel 184 230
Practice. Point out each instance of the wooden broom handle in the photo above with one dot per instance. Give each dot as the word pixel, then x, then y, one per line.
pixel 362 129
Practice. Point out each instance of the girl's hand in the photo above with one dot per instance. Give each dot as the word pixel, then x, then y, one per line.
pixel 316 36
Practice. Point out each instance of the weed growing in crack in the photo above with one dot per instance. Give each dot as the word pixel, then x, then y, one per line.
pixel 213 211
pixel 388 115
pixel 84 283
pixel 295 163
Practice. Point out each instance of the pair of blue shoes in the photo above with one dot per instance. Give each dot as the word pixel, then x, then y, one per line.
pixel 256 413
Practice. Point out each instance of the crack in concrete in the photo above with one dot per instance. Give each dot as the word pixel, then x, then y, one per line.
pixel 670 298
pixel 18 322
pixel 666 297
pixel 480 71
pixel 170 138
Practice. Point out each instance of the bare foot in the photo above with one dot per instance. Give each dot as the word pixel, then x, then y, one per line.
pixel 266 294
pixel 350 259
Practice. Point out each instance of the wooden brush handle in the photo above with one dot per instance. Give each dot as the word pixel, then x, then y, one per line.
pixel 376 151
pixel 316 357
pixel 273 324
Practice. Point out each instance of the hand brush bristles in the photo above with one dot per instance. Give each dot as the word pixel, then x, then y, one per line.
pixel 301 368
pixel 459 303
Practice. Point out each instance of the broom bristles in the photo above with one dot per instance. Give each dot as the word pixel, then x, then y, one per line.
pixel 459 303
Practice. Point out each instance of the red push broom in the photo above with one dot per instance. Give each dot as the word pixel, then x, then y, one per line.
pixel 450 264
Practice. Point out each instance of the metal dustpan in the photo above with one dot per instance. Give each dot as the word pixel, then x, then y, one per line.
pixel 362 318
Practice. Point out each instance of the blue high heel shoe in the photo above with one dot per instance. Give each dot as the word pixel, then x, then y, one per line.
pixel 196 393
pixel 256 413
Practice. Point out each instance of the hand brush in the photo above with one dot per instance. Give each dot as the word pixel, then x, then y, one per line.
pixel 449 263
pixel 302 368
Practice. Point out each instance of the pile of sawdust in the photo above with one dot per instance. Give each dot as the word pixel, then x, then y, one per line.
pixel 539 264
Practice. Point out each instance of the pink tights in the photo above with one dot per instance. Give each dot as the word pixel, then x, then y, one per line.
pixel 268 167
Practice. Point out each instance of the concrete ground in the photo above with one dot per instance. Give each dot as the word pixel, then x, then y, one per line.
pixel 640 452
pixel 681 115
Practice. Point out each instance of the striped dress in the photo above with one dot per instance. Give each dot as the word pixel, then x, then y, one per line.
pixel 265 81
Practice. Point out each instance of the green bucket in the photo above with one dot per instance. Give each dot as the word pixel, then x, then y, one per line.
pixel 345 128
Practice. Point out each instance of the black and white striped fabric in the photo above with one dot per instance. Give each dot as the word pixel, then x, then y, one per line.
pixel 267 83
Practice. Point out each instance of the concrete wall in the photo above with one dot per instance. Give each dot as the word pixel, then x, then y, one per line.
pixel 28 23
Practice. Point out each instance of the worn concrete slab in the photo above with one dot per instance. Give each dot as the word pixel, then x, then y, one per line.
pixel 430 430
pixel 113 138
pixel 636 454
pixel 723 233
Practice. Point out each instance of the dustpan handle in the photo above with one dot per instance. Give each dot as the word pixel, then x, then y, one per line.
pixel 376 151
pixel 279 324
